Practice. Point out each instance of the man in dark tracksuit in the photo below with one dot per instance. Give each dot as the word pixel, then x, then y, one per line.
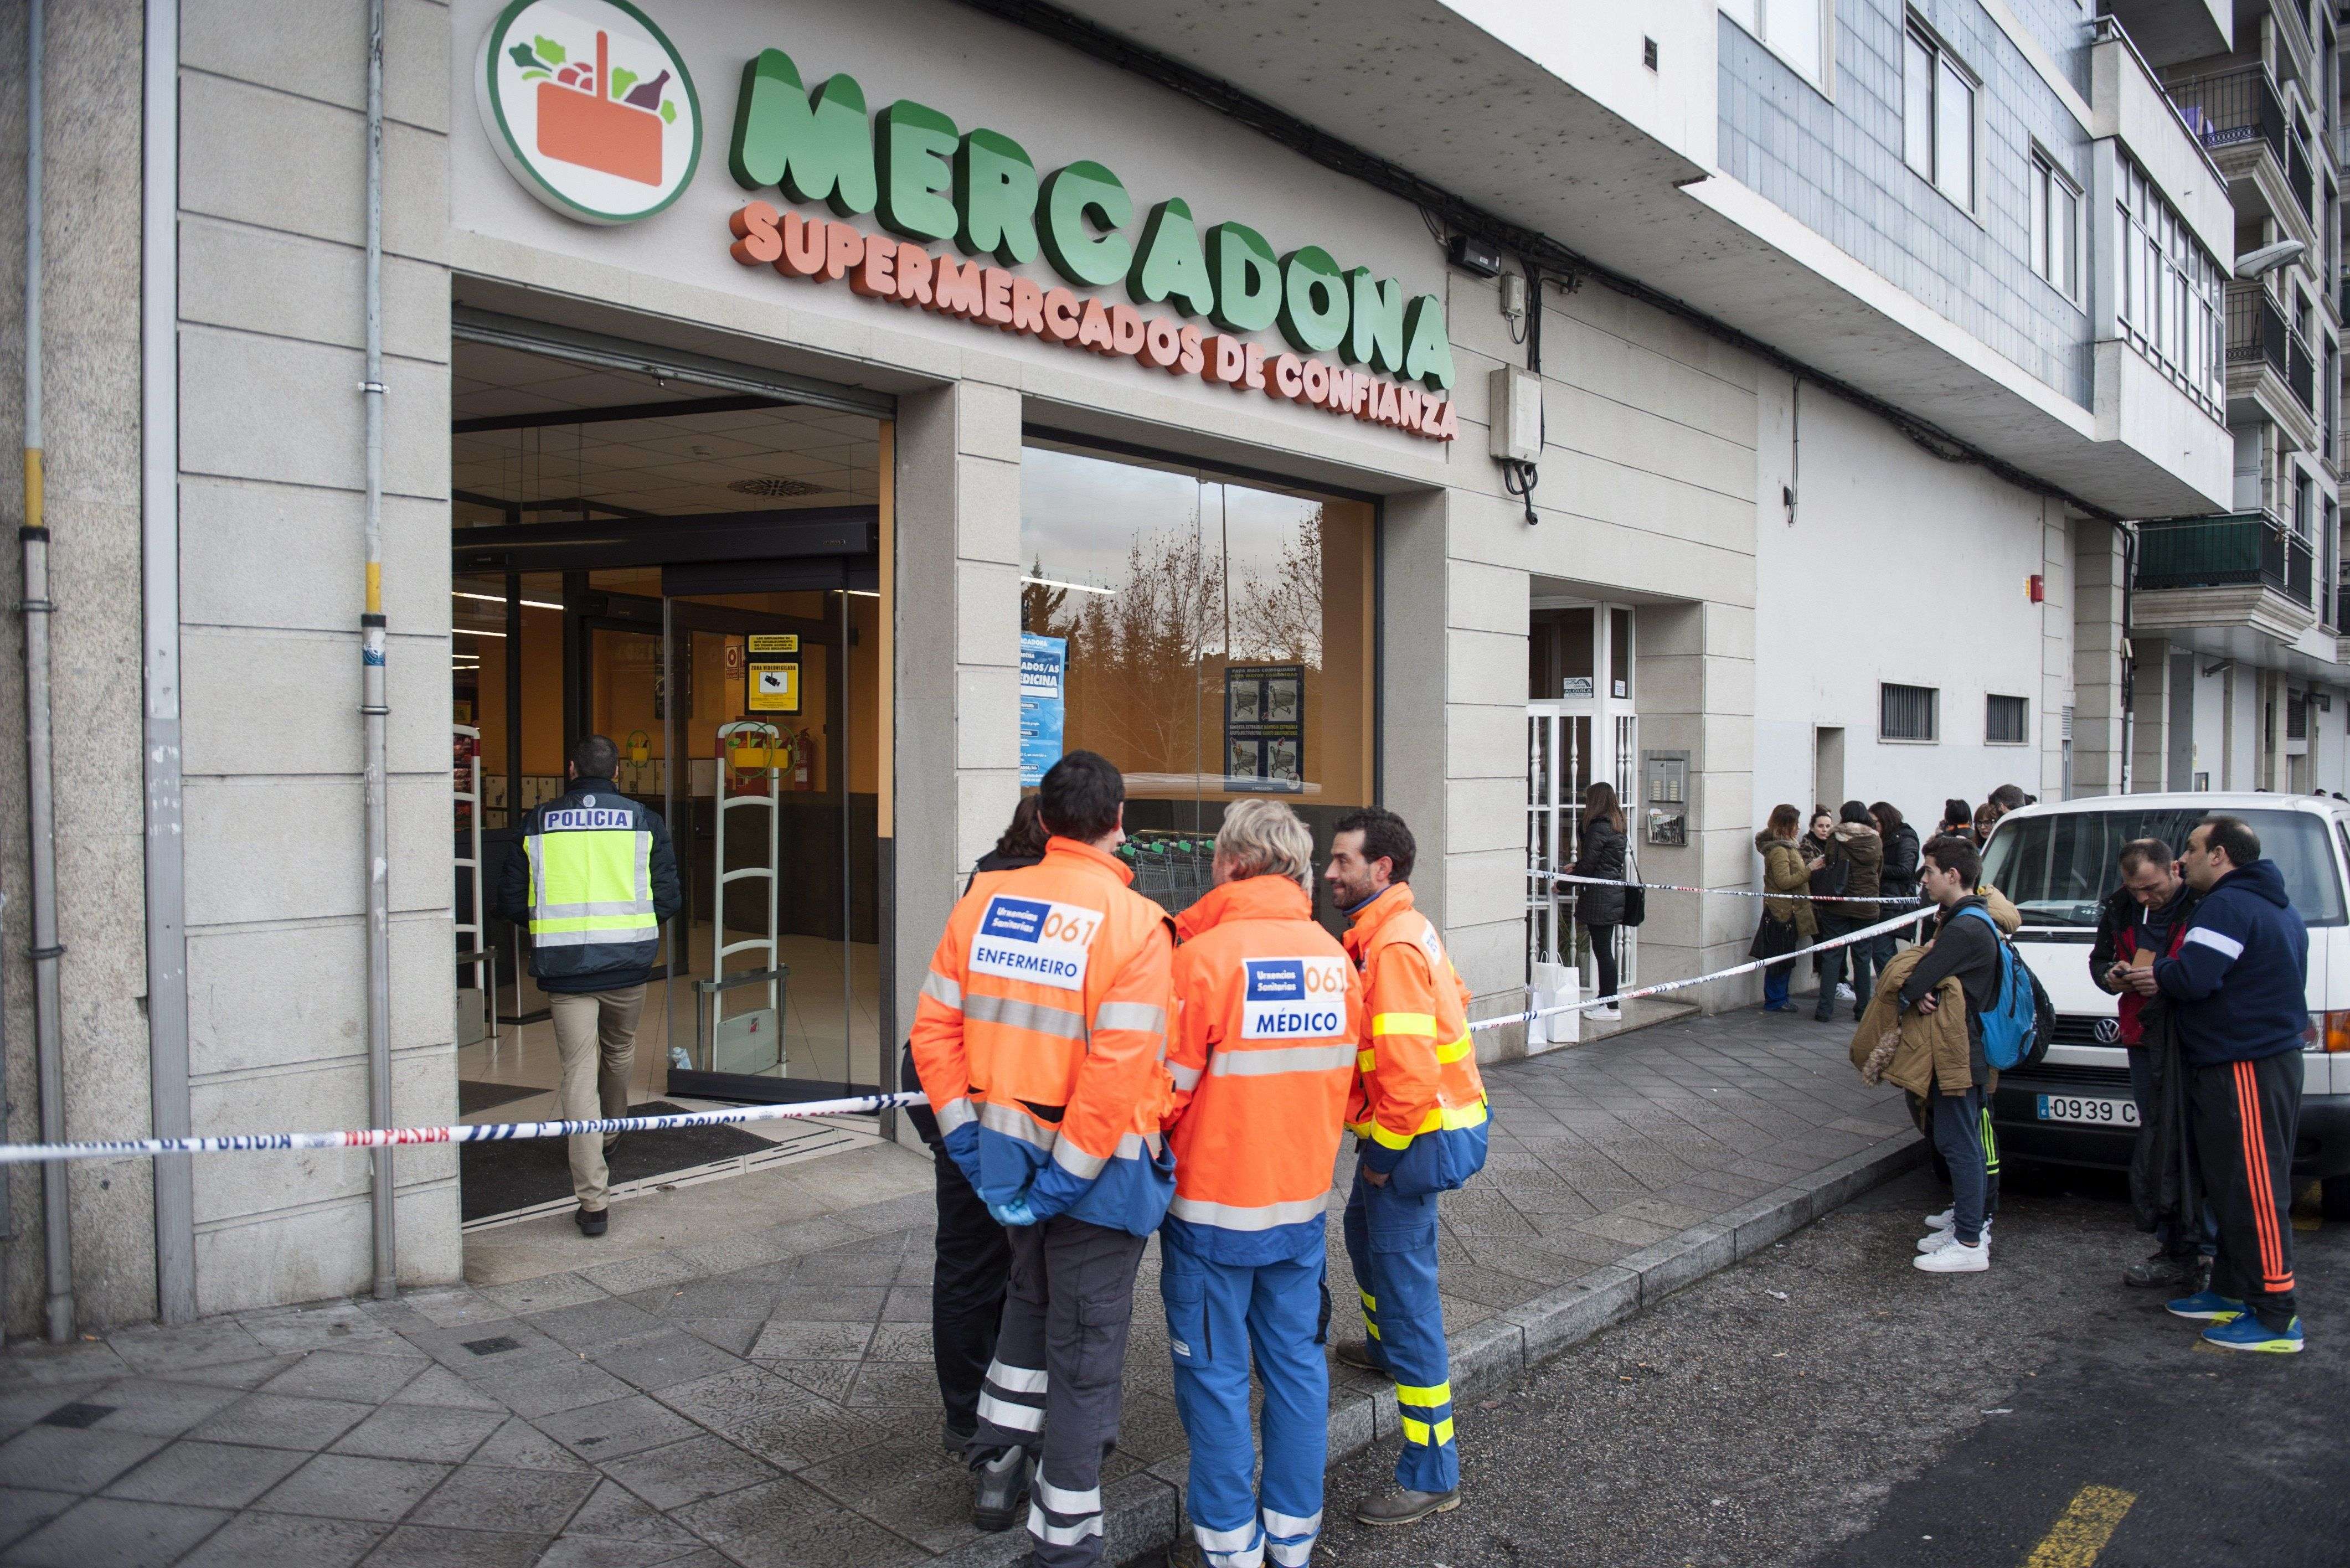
pixel 2238 992
pixel 1965 947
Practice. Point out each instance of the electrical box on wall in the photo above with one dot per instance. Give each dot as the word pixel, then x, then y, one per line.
pixel 1516 399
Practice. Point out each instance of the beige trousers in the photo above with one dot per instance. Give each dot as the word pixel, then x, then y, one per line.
pixel 595 1041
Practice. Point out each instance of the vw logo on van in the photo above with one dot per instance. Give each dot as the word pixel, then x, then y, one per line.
pixel 590 106
pixel 2109 1029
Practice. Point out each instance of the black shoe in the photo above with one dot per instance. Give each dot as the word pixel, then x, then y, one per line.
pixel 1405 1506
pixel 957 1443
pixel 1356 1353
pixel 2162 1270
pixel 1823 1017
pixel 592 1222
pixel 998 1486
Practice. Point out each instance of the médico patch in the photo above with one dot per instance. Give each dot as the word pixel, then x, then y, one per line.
pixel 1294 998
pixel 1035 940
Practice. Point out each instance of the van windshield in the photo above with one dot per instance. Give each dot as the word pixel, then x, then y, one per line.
pixel 2057 868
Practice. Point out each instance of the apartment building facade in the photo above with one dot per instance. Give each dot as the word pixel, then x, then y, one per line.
pixel 1736 402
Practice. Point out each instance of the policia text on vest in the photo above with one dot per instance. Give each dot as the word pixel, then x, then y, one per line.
pixel 595 880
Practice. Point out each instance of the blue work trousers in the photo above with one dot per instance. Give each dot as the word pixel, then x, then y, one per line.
pixel 1391 1240
pixel 1219 1317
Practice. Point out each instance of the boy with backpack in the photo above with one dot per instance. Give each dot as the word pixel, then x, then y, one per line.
pixel 1967 946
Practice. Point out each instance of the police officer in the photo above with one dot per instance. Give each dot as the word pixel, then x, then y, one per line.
pixel 1267 1013
pixel 595 880
pixel 1040 1038
pixel 1419 1117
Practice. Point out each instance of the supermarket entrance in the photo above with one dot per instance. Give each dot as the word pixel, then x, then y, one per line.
pixel 695 576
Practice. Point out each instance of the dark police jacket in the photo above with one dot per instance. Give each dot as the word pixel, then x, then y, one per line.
pixel 591 805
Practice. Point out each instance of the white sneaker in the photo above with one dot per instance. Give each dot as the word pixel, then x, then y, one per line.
pixel 1944 1220
pixel 1846 993
pixel 1954 1257
pixel 1610 1013
pixel 1932 1240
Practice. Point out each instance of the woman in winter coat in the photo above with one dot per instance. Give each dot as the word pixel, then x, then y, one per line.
pixel 1787 920
pixel 1958 821
pixel 1599 911
pixel 1828 868
pixel 1857 839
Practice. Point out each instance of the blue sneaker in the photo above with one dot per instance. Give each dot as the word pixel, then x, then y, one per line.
pixel 2248 1333
pixel 2206 1306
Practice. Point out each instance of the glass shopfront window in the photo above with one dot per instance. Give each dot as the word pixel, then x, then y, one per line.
pixel 1214 635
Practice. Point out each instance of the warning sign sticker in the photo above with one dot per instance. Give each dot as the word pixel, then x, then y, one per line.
pixel 773 689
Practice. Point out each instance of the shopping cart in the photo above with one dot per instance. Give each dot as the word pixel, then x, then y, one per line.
pixel 1171 869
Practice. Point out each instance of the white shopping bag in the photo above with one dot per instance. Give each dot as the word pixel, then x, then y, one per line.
pixel 1554 985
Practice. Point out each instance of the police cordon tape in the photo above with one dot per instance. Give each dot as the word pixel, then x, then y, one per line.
pixel 1720 892
pixel 1867 933
pixel 861 1104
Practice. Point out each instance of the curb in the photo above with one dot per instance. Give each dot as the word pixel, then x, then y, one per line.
pixel 1140 1513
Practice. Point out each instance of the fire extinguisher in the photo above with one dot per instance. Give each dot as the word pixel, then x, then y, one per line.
pixel 802 752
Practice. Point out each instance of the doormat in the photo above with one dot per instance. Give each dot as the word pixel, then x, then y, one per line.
pixel 474 1096
pixel 497 1178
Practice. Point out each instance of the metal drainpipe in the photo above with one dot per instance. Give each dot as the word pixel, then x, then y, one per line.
pixel 372 705
pixel 167 902
pixel 40 803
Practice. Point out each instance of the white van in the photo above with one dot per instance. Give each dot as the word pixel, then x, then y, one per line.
pixel 2056 861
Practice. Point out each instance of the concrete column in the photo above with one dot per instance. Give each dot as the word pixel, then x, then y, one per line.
pixel 2099 574
pixel 2149 714
pixel 90 344
pixel 1415 714
pixel 958 653
pixel 1695 681
pixel 2055 647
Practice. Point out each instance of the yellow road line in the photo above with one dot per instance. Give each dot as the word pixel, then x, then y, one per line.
pixel 2080 1532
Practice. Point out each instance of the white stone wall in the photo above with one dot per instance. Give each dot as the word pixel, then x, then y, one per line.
pixel 272 459
pixel 1901 567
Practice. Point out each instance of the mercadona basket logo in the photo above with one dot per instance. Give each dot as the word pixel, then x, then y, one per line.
pixel 590 106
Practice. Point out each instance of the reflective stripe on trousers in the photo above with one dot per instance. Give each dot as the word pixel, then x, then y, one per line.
pixel 1391 1241
pixel 1219 1318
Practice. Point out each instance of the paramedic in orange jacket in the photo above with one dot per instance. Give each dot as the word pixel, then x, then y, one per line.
pixel 1419 1118
pixel 1040 1039
pixel 1267 1013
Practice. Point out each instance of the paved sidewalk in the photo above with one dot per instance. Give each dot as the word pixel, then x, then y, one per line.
pixel 708 1392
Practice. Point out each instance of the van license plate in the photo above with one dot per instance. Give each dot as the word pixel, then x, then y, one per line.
pixel 2079 1108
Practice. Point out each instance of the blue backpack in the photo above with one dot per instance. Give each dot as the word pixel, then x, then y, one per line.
pixel 2020 1019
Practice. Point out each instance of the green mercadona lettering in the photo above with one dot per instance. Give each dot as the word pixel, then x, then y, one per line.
pixel 978 190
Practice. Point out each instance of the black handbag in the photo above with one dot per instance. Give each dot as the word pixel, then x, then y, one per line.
pixel 1636 898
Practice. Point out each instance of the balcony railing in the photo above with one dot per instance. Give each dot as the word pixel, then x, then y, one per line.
pixel 2303 178
pixel 2256 328
pixel 2223 552
pixel 2232 108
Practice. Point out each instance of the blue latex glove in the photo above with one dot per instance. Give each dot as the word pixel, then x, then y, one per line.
pixel 1014 1213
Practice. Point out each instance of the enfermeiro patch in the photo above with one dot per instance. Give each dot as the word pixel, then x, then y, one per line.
pixel 1035 940
pixel 1294 998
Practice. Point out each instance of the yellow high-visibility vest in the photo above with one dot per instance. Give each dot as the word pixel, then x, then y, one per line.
pixel 590 878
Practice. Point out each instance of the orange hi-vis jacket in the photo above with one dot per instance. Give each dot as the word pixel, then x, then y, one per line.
pixel 1267 1011
pixel 1041 1040
pixel 1419 1107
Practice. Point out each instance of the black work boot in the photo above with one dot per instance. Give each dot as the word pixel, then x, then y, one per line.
pixel 998 1485
pixel 1356 1353
pixel 591 1222
pixel 1405 1506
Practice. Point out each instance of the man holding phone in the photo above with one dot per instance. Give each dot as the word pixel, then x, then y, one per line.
pixel 2136 925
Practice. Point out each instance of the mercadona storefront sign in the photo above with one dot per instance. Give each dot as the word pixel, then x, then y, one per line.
pixel 931 186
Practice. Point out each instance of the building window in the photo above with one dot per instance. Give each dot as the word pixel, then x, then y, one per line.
pixel 1938 116
pixel 2056 227
pixel 1907 713
pixel 1213 636
pixel 1794 30
pixel 2172 305
pixel 2007 720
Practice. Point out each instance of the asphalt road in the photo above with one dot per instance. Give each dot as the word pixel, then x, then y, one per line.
pixel 1825 1403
